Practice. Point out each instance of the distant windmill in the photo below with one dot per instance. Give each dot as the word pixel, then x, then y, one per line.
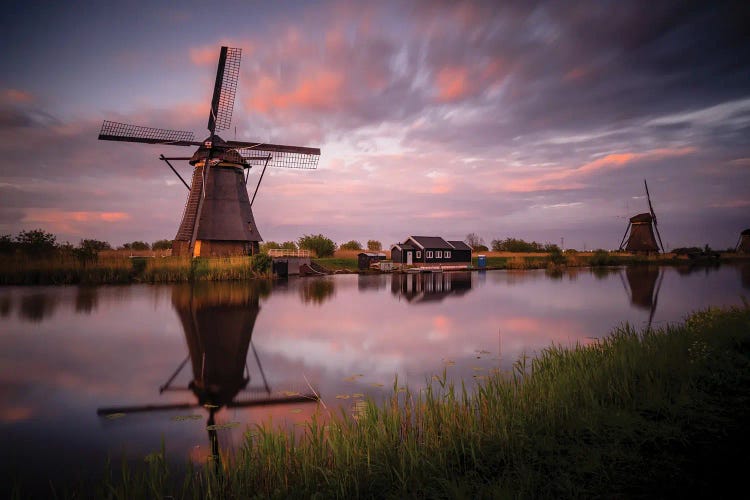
pixel 743 244
pixel 218 218
pixel 641 231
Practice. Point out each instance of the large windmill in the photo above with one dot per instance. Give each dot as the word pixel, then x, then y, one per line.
pixel 641 231
pixel 218 218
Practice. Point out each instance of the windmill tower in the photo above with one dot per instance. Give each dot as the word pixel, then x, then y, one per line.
pixel 218 218
pixel 641 238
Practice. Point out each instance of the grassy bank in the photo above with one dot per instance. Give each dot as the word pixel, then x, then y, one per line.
pixel 122 270
pixel 656 413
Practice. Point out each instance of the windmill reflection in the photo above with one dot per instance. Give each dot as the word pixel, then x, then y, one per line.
pixel 644 284
pixel 218 321
pixel 430 287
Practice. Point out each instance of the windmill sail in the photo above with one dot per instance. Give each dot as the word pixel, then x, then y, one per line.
pixel 115 131
pixel 225 88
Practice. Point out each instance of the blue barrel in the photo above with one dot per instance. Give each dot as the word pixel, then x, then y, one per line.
pixel 481 261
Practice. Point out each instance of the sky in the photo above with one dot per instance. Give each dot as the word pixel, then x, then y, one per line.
pixel 534 120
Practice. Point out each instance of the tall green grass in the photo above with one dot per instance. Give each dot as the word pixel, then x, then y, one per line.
pixel 633 414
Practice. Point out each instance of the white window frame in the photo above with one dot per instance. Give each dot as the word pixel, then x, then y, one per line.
pixel 428 254
pixel 447 254
pixel 438 254
pixel 419 254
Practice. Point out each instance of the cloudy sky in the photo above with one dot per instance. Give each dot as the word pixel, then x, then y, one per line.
pixel 536 120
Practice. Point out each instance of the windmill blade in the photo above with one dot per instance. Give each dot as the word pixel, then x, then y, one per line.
pixel 648 197
pixel 624 235
pixel 115 131
pixel 225 88
pixel 302 398
pixel 653 215
pixel 280 155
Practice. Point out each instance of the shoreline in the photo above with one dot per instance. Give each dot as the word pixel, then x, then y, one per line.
pixel 154 270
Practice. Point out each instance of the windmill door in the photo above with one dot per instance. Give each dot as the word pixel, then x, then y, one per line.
pixel 408 258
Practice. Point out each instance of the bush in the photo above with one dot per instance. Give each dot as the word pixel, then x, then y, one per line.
pixel 261 263
pixel 519 245
pixel 374 245
pixel 136 245
pixel 36 243
pixel 161 245
pixel 351 245
pixel 322 246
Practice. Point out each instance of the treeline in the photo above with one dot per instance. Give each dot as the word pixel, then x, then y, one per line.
pixel 321 245
pixel 509 245
pixel 38 243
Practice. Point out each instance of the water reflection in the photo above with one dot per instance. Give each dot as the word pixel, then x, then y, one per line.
pixel 430 287
pixel 745 276
pixel 36 307
pixel 645 283
pixel 87 298
pixel 218 321
pixel 316 290
pixel 5 306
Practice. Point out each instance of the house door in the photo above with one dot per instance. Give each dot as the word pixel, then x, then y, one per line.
pixel 408 258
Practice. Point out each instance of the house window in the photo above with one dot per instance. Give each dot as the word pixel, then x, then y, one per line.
pixel 419 254
pixel 439 254
pixel 447 254
pixel 428 254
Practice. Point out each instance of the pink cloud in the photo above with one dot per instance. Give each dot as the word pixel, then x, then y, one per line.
pixel 16 96
pixel 318 91
pixel 72 222
pixel 552 180
pixel 452 83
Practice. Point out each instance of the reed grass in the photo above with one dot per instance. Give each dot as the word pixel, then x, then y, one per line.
pixel 117 269
pixel 633 414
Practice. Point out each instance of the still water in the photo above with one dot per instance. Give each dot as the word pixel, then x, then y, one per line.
pixel 155 355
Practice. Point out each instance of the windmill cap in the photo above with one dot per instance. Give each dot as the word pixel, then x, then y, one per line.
pixel 644 217
pixel 746 232
pixel 220 152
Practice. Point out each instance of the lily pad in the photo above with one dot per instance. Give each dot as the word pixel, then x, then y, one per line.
pixel 218 427
pixel 182 418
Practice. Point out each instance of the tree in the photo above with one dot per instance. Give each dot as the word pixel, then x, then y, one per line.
pixel 7 245
pixel 135 245
pixel 351 245
pixel 374 245
pixel 36 242
pixel 475 242
pixel 289 245
pixel 322 246
pixel 95 245
pixel 161 245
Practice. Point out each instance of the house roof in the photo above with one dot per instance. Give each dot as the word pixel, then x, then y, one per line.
pixel 403 246
pixel 459 245
pixel 431 242
pixel 372 254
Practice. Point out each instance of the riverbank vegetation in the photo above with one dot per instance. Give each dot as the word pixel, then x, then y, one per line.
pixel 656 413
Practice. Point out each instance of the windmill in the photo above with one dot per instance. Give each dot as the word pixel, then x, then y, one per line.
pixel 641 230
pixel 217 219
pixel 743 243
pixel 218 321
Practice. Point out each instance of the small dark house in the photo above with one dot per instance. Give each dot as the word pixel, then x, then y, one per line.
pixel 430 251
pixel 364 259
